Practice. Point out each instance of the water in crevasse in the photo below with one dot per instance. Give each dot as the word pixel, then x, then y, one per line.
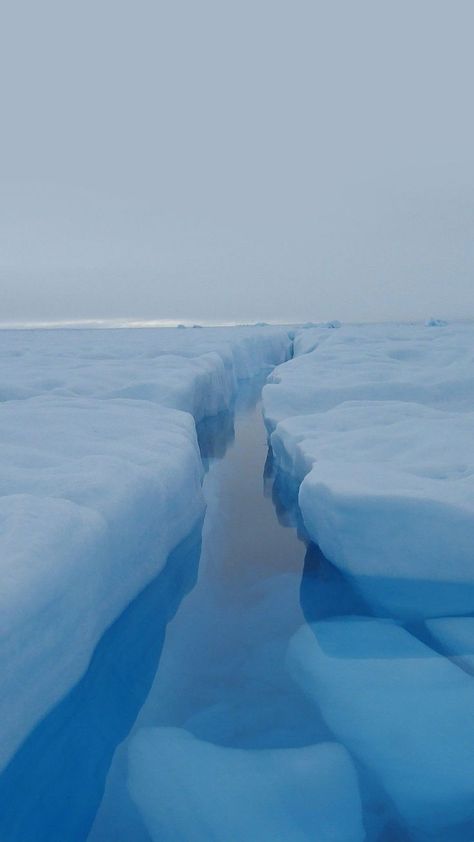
pixel 189 707
pixel 188 651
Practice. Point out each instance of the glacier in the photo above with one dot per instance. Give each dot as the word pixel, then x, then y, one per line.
pixel 375 425
pixel 371 432
pixel 241 721
pixel 100 479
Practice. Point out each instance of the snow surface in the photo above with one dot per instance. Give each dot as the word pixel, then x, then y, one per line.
pixel 374 362
pixel 376 424
pixel 100 478
pixel 188 790
pixel 404 711
pixel 192 370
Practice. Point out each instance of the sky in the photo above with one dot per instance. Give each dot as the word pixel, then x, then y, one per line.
pixel 236 161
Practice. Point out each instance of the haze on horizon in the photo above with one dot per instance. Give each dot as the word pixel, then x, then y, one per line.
pixel 224 161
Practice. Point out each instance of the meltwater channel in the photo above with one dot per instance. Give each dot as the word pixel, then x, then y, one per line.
pixel 204 650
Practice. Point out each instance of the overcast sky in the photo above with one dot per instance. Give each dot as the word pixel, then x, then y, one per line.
pixel 238 160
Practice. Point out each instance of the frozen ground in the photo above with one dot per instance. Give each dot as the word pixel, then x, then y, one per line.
pixel 100 479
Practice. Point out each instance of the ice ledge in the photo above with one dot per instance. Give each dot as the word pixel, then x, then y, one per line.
pixel 100 479
pixel 387 481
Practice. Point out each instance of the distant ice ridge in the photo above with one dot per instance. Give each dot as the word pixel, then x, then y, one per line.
pixel 432 322
pixel 376 423
pixel 195 371
pixel 100 478
pixel 188 790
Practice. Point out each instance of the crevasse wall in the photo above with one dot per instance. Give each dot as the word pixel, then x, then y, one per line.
pixel 376 424
pixel 100 478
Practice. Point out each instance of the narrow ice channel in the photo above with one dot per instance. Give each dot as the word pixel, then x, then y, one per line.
pixel 196 719
pixel 202 648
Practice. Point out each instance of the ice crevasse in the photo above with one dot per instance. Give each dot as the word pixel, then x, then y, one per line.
pixel 375 423
pixel 100 478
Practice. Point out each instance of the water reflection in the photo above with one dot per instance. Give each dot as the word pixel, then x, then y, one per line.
pixel 215 435
pixel 225 680
pixel 52 787
pixel 223 677
pixel 324 591
pixel 283 490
